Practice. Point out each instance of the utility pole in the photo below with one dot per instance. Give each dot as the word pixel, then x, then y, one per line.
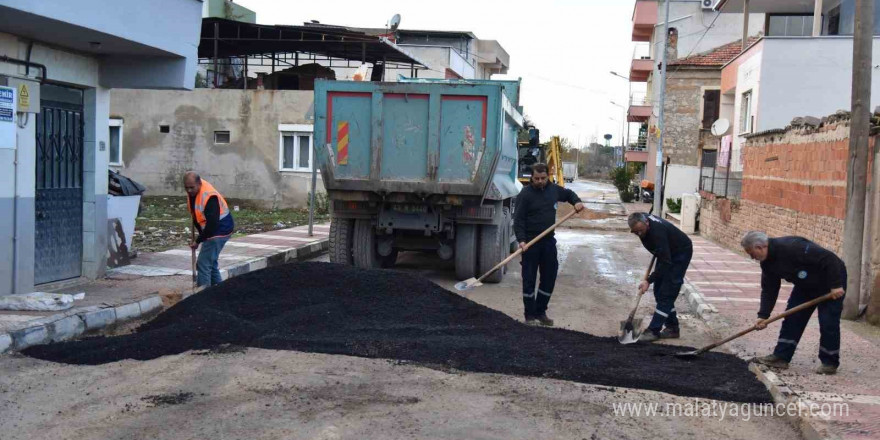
pixel 857 168
pixel 658 184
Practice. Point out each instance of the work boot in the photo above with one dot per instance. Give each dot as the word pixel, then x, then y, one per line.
pixel 649 336
pixel 670 333
pixel 532 321
pixel 545 321
pixel 771 360
pixel 826 369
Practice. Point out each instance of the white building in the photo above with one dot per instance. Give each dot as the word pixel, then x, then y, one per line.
pixel 66 56
pixel 801 67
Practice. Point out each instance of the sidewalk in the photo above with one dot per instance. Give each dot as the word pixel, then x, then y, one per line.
pixel 130 292
pixel 731 283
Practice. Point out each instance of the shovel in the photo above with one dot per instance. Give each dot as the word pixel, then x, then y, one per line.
pixel 629 329
pixel 791 311
pixel 477 282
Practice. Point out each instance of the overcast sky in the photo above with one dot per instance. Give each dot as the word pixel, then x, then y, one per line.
pixel 562 49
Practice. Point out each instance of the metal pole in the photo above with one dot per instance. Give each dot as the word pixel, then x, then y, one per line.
pixel 312 192
pixel 727 177
pixel 245 71
pixel 857 167
pixel 658 185
pixel 216 50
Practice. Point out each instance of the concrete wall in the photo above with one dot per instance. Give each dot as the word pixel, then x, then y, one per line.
pixel 246 168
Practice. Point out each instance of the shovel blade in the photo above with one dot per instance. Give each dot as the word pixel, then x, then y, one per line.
pixel 688 354
pixel 468 284
pixel 628 338
pixel 629 331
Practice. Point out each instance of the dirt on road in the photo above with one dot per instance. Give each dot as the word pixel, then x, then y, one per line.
pixel 276 394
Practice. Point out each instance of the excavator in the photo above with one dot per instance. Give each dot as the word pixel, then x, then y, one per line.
pixel 532 151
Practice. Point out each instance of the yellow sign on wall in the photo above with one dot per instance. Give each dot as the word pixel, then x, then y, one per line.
pixel 24 97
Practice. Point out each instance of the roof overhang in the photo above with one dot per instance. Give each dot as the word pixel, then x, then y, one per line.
pixel 237 39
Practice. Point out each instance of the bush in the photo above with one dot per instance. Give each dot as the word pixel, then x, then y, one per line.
pixel 627 196
pixel 674 205
pixel 322 203
pixel 621 177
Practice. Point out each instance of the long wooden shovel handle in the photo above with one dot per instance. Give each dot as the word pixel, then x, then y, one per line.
pixel 632 314
pixel 784 314
pixel 193 259
pixel 527 246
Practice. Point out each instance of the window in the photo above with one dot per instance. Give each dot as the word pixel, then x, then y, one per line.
pixel 221 137
pixel 297 149
pixel 116 142
pixel 785 25
pixel 164 129
pixel 711 107
pixel 745 113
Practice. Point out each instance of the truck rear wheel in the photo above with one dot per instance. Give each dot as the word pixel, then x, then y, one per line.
pixel 365 255
pixel 494 248
pixel 465 251
pixel 341 230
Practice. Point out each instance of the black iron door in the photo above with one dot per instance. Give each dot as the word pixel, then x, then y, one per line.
pixel 58 243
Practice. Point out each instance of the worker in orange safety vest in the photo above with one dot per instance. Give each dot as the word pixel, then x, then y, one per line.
pixel 213 221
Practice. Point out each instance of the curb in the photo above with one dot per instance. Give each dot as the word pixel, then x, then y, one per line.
pixel 697 303
pixel 72 323
pixel 781 392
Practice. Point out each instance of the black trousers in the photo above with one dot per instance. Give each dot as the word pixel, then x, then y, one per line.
pixel 829 326
pixel 666 291
pixel 540 257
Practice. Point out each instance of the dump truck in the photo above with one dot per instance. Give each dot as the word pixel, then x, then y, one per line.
pixel 419 165
pixel 569 171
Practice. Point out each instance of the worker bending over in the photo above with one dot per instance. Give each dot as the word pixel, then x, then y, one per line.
pixel 673 250
pixel 535 211
pixel 814 271
pixel 213 221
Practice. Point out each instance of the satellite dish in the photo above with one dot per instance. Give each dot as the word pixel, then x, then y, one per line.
pixel 720 127
pixel 394 22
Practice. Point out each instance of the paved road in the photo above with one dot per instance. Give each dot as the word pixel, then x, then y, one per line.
pixel 272 395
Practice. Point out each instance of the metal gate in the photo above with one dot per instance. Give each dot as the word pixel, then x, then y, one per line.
pixel 58 243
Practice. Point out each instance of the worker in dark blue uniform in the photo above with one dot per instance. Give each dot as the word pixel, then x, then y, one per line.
pixel 814 271
pixel 535 211
pixel 673 250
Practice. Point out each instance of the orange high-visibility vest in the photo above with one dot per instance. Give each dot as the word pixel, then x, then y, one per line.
pixel 206 192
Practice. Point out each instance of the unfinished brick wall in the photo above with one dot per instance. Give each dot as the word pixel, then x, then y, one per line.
pixel 794 183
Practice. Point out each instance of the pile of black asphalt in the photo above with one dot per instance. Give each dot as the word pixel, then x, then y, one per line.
pixel 335 309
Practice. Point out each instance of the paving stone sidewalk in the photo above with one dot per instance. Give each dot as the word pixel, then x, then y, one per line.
pixel 130 292
pixel 731 283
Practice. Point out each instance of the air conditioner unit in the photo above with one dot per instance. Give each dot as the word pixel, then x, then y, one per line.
pixel 708 4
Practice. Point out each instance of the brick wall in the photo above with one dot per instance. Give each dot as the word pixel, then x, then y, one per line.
pixel 747 215
pixel 794 183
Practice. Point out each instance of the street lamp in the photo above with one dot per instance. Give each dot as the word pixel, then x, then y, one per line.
pixel 622 123
pixel 628 97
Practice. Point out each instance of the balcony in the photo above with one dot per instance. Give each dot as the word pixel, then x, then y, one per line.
pixel 639 109
pixel 642 64
pixel 644 19
pixel 636 156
